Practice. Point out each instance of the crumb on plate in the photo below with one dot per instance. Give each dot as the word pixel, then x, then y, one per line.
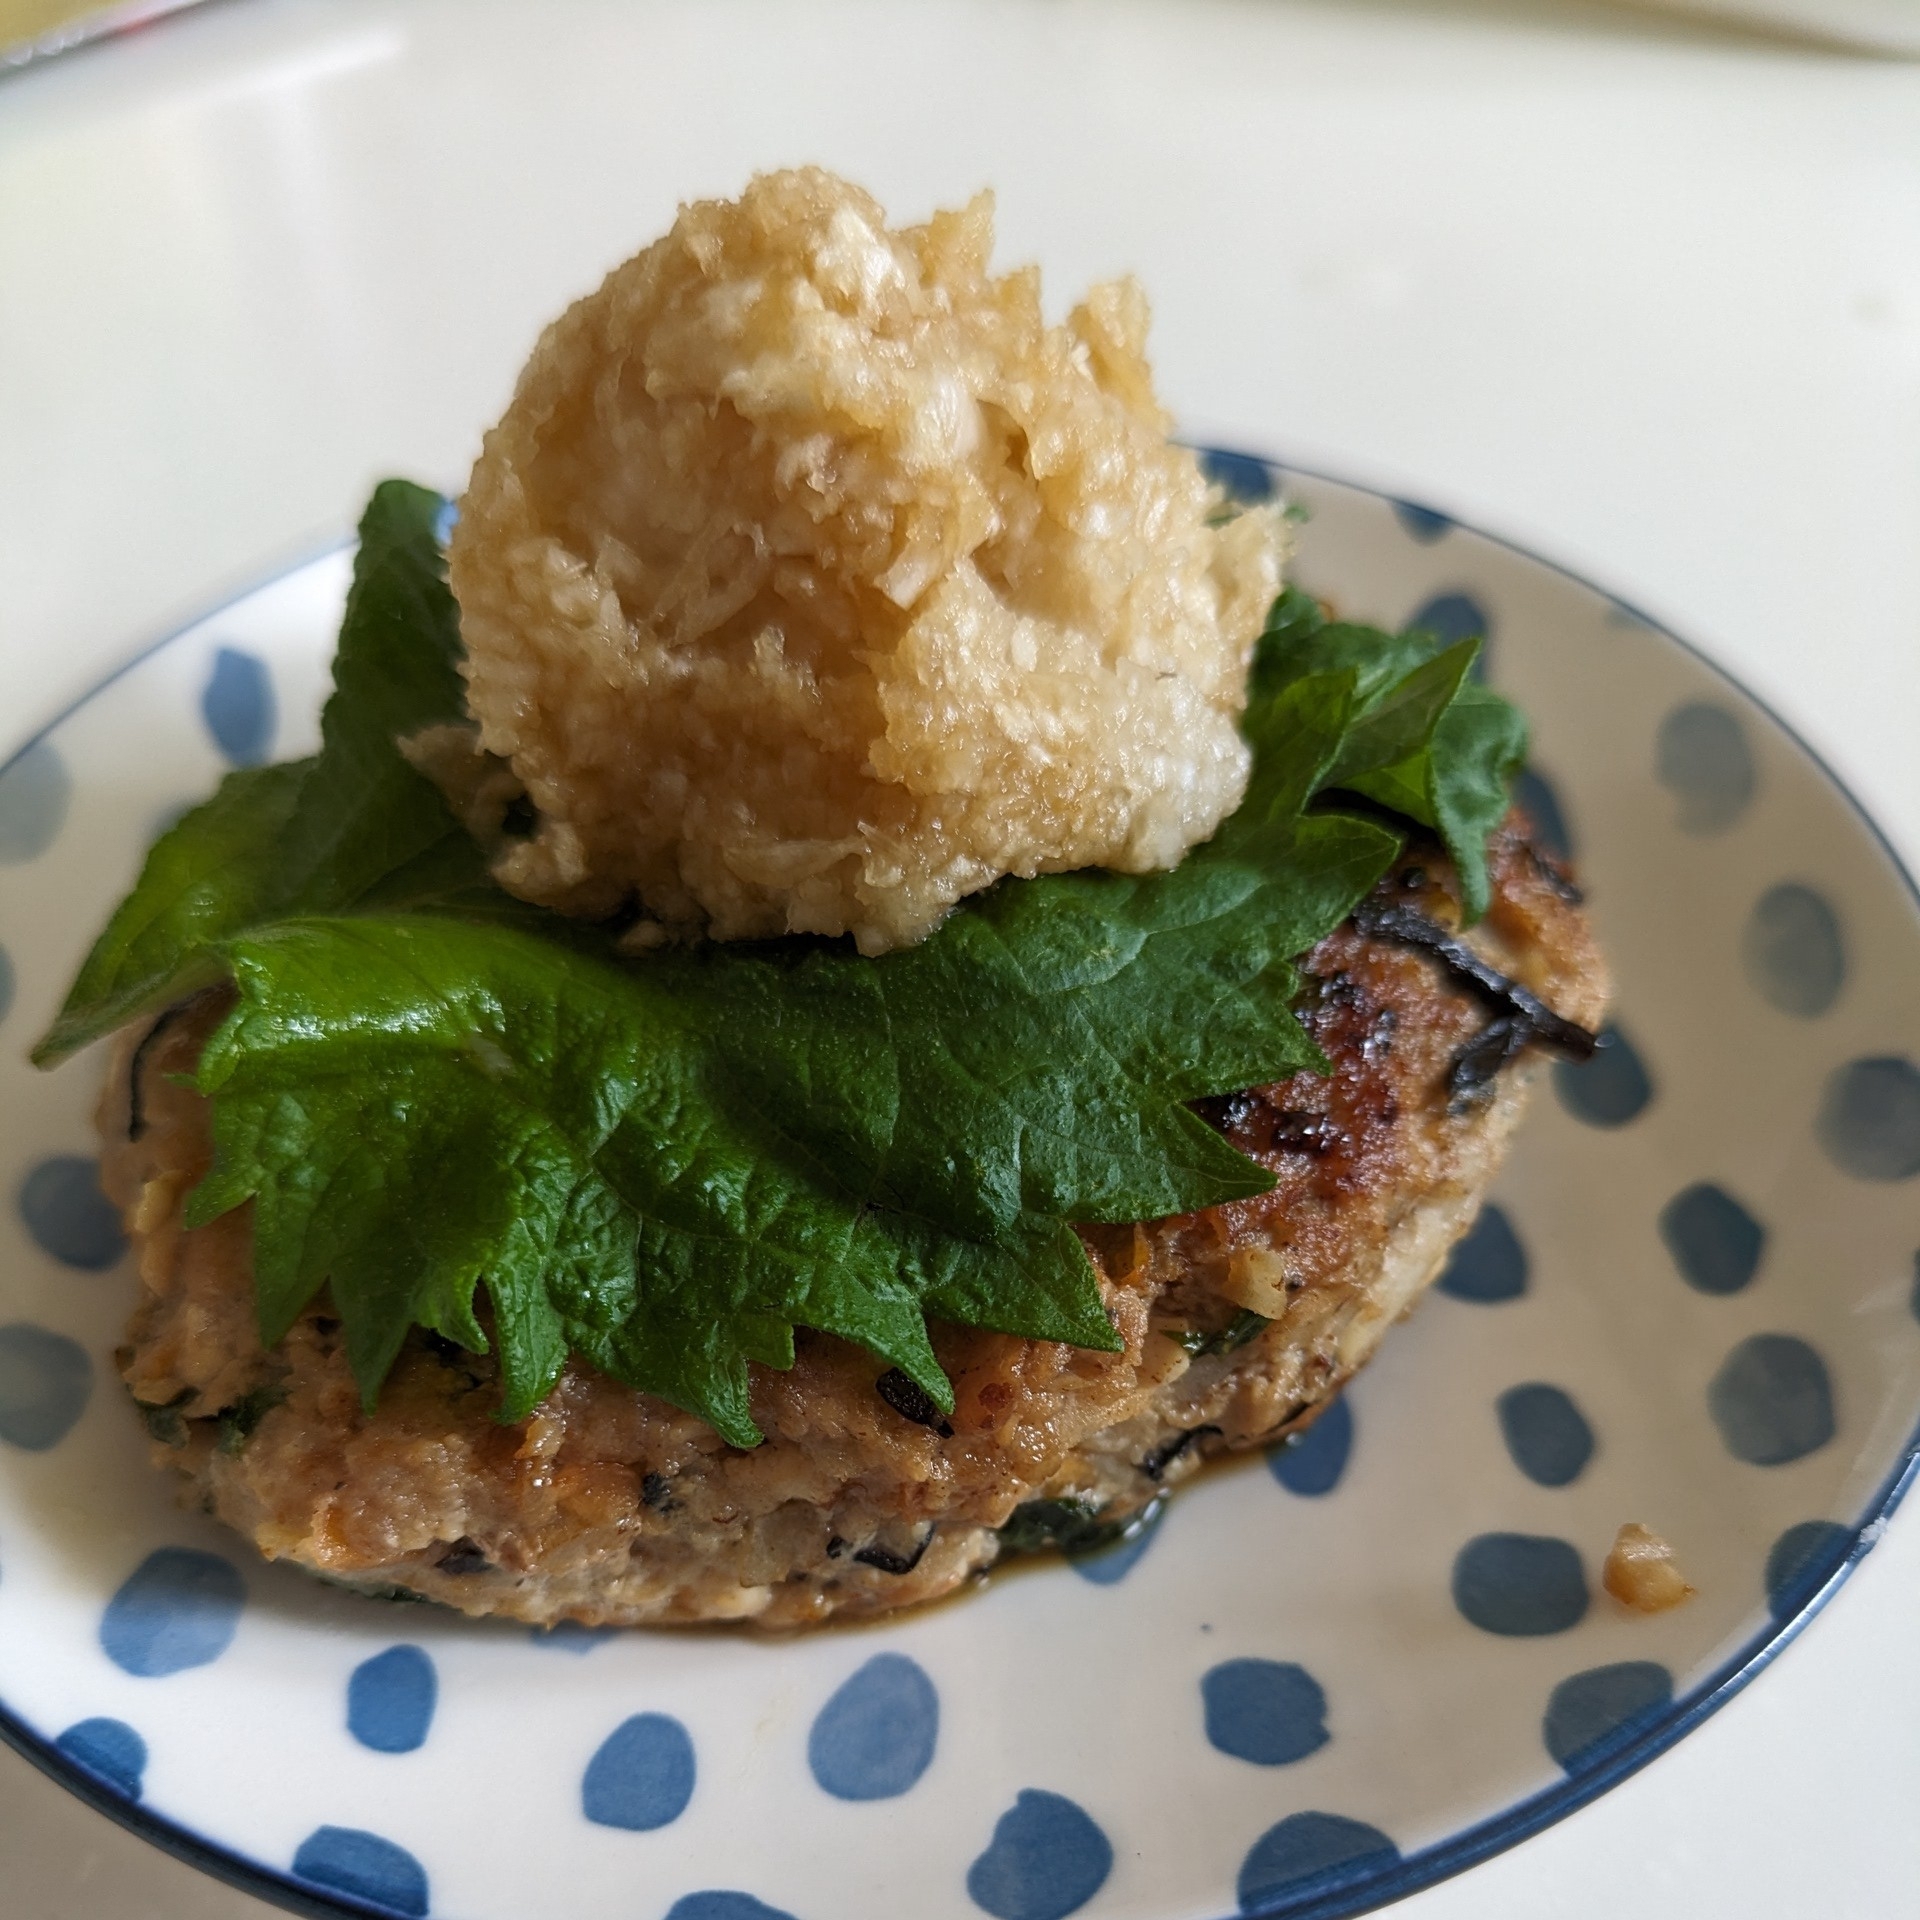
pixel 1640 1571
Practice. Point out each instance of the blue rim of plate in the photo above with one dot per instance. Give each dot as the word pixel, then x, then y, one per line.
pixel 1338 1893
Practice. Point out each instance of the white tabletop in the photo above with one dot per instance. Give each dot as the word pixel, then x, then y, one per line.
pixel 1644 295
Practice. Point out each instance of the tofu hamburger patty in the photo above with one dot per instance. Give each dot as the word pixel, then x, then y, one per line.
pixel 610 1507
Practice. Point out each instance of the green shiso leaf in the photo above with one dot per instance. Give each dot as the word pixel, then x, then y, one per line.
pixel 1428 742
pixel 353 824
pixel 431 1093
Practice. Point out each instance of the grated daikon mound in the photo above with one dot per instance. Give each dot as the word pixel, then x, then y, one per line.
pixel 812 582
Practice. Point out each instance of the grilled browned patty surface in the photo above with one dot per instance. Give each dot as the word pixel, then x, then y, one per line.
pixel 610 1506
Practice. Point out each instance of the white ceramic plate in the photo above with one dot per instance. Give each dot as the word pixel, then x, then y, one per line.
pixel 1324 1679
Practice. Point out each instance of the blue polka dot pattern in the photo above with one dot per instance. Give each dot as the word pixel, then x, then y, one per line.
pixel 1702 759
pixel 1715 1242
pixel 238 707
pixel 1452 617
pixel 177 1609
pixel 876 1736
pixel 1047 1859
pixel 1244 477
pixel 1590 1716
pixel 1546 1434
pixel 110 1750
pixel 1489 1264
pixel 1108 1566
pixel 1802 1561
pixel 1425 524
pixel 45 1379
pixel 1312 1463
pixel 1869 1121
pixel 1792 951
pixel 1608 1090
pixel 1307 1857
pixel 1268 1711
pixel 1520 1584
pixel 6 984
pixel 723 1905
pixel 364 1867
pixel 34 790
pixel 390 1700
pixel 1719 1245
pixel 642 1776
pixel 1537 799
pixel 1771 1400
pixel 68 1216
